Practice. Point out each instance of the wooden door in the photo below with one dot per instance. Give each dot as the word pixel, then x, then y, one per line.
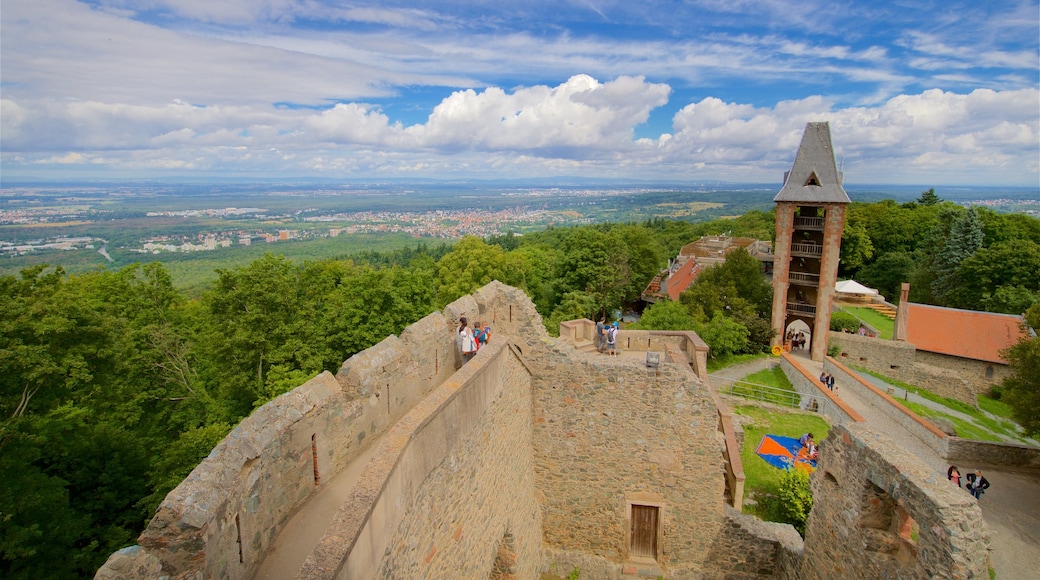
pixel 644 531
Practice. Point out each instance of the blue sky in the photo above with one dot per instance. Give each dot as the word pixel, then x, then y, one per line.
pixel 916 92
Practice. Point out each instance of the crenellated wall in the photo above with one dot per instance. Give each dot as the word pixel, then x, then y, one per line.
pixel 223 518
pixel 532 457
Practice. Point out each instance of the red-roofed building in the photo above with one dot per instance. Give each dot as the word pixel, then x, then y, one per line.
pixel 966 343
pixel 968 334
pixel 697 255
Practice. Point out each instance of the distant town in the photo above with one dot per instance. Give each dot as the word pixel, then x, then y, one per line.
pixel 155 220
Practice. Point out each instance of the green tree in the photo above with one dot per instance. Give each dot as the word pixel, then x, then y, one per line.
pixel 887 273
pixel 595 263
pixel 574 306
pixel 929 197
pixel 794 499
pixel 723 335
pixel 964 240
pixel 1021 390
pixel 1000 278
pixel 666 315
pixel 856 247
pixel 472 264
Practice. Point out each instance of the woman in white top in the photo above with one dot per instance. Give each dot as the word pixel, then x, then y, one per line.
pixel 467 345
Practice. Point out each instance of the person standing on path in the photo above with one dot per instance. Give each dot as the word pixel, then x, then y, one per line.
pixel 601 334
pixel 977 485
pixel 612 340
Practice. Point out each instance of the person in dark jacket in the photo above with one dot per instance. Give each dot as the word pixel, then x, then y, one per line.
pixel 977 485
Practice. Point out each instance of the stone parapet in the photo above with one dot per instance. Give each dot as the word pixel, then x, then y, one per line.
pixel 420 509
pixel 987 453
pixel 809 388
pixel 748 548
pixel 921 428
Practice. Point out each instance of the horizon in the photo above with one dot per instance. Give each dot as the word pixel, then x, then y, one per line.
pixel 705 91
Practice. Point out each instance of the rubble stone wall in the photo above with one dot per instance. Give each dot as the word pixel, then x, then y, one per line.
pixel 948 376
pixel 879 513
pixel 610 431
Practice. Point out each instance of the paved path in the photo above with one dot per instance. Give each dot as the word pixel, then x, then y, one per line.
pixel 307 526
pixel 1011 507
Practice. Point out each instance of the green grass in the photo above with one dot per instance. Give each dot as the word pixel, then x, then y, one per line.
pixel 985 428
pixel 883 324
pixel 771 377
pixel 762 479
pixel 717 364
pixel 995 407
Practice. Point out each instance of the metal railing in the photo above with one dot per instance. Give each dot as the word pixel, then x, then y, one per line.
pixel 801 308
pixel 807 249
pixel 758 392
pixel 809 223
pixel 783 398
pixel 804 278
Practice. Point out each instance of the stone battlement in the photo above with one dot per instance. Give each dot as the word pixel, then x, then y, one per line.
pixel 534 456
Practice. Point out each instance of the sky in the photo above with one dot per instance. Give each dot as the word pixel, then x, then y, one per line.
pixel 943 92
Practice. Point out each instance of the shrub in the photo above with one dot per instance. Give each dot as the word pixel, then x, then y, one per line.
pixel 844 322
pixel 794 500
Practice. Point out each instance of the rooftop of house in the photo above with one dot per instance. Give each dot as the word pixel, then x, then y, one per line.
pixel 967 334
pixel 681 279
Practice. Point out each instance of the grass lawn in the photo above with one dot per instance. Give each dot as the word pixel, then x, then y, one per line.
pixel 985 428
pixel 762 478
pixel 883 324
pixel 780 393
pixel 715 364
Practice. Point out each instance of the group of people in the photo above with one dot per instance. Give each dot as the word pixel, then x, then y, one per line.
pixel 795 339
pixel 606 336
pixel 809 444
pixel 471 339
pixel 975 483
pixel 827 380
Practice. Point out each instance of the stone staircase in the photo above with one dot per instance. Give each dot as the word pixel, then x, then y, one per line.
pixel 886 311
pixel 585 346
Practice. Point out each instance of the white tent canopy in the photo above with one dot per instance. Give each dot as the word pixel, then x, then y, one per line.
pixel 854 287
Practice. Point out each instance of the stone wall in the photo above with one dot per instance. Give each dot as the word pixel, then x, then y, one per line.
pixel 971 372
pixel 749 548
pixel 921 428
pixel 609 432
pixel 947 376
pixel 809 387
pixel 971 452
pixel 222 519
pixel 453 479
pixel 879 513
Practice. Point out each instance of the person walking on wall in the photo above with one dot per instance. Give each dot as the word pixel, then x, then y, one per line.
pixel 601 334
pixel 977 485
pixel 467 344
pixel 612 331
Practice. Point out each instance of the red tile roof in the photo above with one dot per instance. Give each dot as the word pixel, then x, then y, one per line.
pixel 965 333
pixel 681 279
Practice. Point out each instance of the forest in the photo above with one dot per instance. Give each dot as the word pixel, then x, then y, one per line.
pixel 114 384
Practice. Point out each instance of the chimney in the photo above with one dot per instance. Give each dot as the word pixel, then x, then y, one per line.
pixel 902 311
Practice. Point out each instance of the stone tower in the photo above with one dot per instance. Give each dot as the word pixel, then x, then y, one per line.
pixel 810 219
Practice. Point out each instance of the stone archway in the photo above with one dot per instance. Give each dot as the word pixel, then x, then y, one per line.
pixel 797 325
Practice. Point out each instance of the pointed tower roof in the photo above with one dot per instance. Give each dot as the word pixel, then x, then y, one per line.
pixel 814 177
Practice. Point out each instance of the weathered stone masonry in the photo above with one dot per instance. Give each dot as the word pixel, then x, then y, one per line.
pixel 534 457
